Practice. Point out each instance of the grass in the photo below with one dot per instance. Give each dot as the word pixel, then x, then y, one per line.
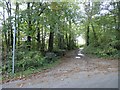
pixel 29 73
pixel 101 53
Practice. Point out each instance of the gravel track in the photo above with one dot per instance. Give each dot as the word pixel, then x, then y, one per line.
pixel 74 71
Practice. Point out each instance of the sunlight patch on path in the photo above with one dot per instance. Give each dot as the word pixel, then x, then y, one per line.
pixel 79 54
pixel 77 57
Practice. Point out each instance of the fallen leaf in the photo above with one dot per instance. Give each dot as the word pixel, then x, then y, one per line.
pixel 21 84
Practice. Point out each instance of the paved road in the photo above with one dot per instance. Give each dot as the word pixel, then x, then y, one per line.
pixel 81 80
pixel 74 71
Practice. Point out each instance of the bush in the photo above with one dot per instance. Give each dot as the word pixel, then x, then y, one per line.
pixel 102 51
pixel 30 60
pixel 26 60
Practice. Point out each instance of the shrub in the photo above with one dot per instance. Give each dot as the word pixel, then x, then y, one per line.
pixel 103 51
pixel 24 61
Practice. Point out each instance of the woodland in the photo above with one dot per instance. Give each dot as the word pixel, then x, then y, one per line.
pixel 46 31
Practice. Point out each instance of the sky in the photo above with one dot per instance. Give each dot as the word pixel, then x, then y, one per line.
pixel 6 15
pixel 80 40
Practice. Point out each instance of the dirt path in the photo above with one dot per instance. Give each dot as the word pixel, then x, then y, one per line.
pixel 75 70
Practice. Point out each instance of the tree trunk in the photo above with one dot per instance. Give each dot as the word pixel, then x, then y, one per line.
pixel 11 26
pixel 9 35
pixel 43 40
pixel 87 37
pixel 38 36
pixel 67 41
pixel 95 36
pixel 38 39
pixel 60 41
pixel 29 26
pixel 5 34
pixel 118 27
pixel 51 40
pixel 118 6
pixel 18 23
pixel 70 36
pixel 69 45
pixel 4 45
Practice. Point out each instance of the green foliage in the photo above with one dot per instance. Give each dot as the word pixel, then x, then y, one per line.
pixel 67 21
pixel 27 60
pixel 30 60
pixel 103 51
pixel 103 35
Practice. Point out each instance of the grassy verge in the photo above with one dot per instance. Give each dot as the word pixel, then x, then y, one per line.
pixel 28 73
pixel 102 53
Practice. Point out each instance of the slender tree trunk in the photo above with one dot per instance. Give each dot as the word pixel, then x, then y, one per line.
pixel 95 36
pixel 69 47
pixel 43 40
pixel 6 41
pixel 87 37
pixel 4 45
pixel 29 26
pixel 70 36
pixel 59 41
pixel 118 6
pixel 38 37
pixel 18 23
pixel 51 39
pixel 11 30
pixel 118 27
pixel 63 39
pixel 67 41
pixel 9 33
